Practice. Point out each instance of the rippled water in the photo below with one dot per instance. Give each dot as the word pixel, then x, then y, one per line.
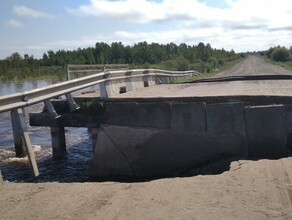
pixel 73 168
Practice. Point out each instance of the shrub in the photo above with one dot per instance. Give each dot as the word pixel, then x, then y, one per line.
pixel 213 62
pixel 280 54
pixel 182 64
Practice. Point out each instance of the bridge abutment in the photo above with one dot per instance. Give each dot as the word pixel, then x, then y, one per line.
pixel 162 139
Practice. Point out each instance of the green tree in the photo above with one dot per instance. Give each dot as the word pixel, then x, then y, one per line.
pixel 15 61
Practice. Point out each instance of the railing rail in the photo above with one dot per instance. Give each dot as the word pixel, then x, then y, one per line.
pixel 19 100
pixel 91 68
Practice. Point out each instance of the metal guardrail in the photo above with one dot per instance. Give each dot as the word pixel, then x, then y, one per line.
pixel 16 102
pixel 91 68
pixel 28 98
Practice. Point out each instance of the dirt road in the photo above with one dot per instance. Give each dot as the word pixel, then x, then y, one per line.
pixel 254 65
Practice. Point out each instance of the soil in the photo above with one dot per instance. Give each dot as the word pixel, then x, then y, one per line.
pixel 248 190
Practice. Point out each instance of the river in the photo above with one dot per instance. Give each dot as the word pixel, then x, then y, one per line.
pixel 73 168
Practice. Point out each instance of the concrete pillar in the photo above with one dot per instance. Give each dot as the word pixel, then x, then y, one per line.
pixel 103 92
pixel 19 122
pixel 19 147
pixel 94 132
pixel 1 178
pixel 129 84
pixel 67 72
pixel 58 142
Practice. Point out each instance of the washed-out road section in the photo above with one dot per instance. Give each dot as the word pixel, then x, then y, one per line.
pixel 248 190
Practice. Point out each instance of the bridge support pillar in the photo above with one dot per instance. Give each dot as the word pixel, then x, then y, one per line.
pixel 1 178
pixel 94 133
pixel 58 142
pixel 18 143
pixel 21 131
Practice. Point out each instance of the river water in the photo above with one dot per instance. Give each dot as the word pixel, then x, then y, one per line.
pixel 73 168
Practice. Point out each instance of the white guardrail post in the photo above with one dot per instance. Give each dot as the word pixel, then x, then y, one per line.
pixel 67 72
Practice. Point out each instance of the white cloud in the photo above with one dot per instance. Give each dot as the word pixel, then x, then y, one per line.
pixel 242 25
pixel 14 23
pixel 272 12
pixel 141 11
pixel 24 11
pixel 245 25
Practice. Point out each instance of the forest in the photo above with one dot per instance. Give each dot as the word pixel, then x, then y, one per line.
pixel 201 57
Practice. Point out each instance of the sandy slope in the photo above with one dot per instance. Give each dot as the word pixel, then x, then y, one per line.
pixel 250 190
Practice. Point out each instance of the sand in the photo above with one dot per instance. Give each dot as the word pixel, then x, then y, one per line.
pixel 249 190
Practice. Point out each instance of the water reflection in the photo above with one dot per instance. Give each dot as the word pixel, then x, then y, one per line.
pixel 15 87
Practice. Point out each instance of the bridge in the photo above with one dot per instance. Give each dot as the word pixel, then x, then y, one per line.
pixel 110 82
pixel 143 129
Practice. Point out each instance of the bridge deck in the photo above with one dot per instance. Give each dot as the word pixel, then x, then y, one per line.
pixel 211 89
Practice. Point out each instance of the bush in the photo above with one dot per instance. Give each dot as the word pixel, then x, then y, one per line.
pixel 213 62
pixel 280 54
pixel 182 64
pixel 221 62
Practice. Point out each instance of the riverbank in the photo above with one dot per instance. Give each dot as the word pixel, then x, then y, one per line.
pixel 249 190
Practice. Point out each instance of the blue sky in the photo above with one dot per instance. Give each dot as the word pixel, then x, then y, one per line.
pixel 36 26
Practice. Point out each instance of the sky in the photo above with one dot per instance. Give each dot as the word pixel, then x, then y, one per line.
pixel 35 26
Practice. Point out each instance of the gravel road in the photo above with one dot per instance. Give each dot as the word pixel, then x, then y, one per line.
pixel 254 65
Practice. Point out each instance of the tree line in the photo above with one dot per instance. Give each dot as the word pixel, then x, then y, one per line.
pixel 201 57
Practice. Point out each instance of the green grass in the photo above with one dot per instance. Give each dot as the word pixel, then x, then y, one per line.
pixel 213 73
pixel 33 74
pixel 58 74
pixel 286 65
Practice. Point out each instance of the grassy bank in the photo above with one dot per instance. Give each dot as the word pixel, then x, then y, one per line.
pixel 54 73
pixel 225 66
pixel 58 73
pixel 286 65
